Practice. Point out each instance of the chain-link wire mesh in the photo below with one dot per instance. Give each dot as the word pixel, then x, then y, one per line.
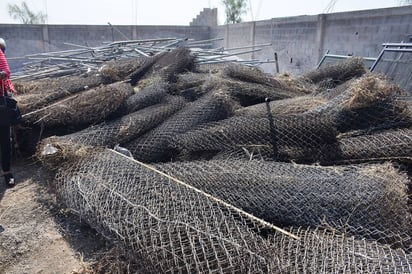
pixel 366 91
pixel 165 65
pixel 371 102
pixel 188 80
pixel 145 68
pixel 119 69
pixel 393 144
pixel 169 225
pixel 321 251
pixel 225 189
pixel 154 145
pixel 369 201
pixel 149 95
pixel 33 95
pixel 387 145
pixel 386 115
pixel 339 72
pixel 255 76
pixel 288 137
pixel 123 129
pixel 368 104
pixel 276 108
pixel 87 107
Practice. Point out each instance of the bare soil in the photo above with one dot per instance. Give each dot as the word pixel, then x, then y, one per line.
pixel 37 234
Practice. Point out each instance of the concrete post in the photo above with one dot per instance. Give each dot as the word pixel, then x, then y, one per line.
pixel 46 40
pixel 253 37
pixel 227 38
pixel 320 35
pixel 134 32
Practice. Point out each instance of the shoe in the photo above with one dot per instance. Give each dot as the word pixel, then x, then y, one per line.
pixel 9 180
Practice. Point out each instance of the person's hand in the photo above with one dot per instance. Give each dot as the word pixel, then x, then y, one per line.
pixel 3 75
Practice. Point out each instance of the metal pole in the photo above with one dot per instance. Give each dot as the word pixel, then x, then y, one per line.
pixel 276 62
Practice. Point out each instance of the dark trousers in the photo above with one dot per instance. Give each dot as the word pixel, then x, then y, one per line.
pixel 5 147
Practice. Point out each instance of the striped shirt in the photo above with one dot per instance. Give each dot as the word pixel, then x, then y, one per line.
pixel 5 84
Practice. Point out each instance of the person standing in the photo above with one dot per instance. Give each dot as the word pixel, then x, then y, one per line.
pixel 6 86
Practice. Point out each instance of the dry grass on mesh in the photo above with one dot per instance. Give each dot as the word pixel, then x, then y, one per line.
pixel 299 85
pixel 294 105
pixel 396 189
pixel 33 95
pixel 86 107
pixel 190 79
pixel 143 83
pixel 35 86
pixel 371 89
pixel 119 70
pixel 31 101
pixel 71 84
pixel 115 260
pixel 177 61
pixel 247 93
pixel 165 65
pixel 284 86
pixel 53 152
pixel 248 74
pixel 339 72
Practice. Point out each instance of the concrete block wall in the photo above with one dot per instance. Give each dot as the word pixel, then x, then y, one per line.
pixel 207 17
pixel 299 41
pixel 362 33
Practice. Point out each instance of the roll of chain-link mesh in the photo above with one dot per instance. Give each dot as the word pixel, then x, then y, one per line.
pixel 245 92
pixel 145 68
pixel 34 95
pixel 120 69
pixel 394 144
pixel 338 72
pixel 149 95
pixel 385 115
pixel 369 103
pixel 210 67
pixel 294 105
pixel 154 145
pixel 87 107
pixel 251 93
pixel 187 81
pixel 366 91
pixel 165 224
pixel 325 252
pixel 297 84
pixel 377 133
pixel 254 75
pixel 165 65
pixel 123 129
pixel 287 137
pixel 369 201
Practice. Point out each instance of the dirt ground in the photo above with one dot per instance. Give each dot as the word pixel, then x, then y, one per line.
pixel 37 234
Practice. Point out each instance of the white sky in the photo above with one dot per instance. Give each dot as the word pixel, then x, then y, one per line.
pixel 175 12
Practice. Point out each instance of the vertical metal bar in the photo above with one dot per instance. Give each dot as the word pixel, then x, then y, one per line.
pixel 323 59
pixel 378 58
pixel 276 62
